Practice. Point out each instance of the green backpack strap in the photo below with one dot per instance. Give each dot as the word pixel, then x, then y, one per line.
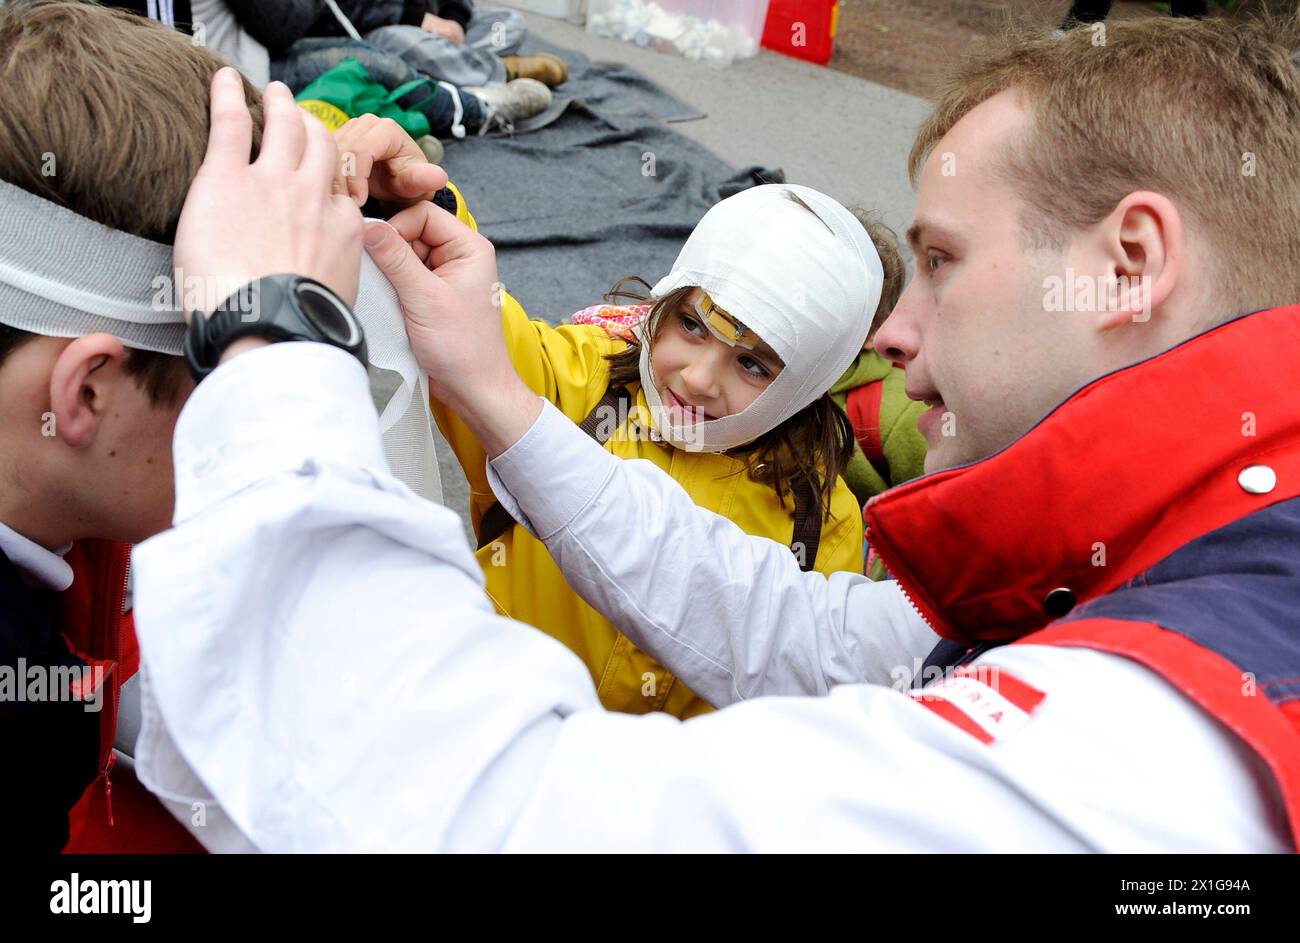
pixel 616 401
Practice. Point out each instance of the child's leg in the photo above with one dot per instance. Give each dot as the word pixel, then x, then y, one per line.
pixel 441 59
pixel 309 59
pixel 500 32
pixel 439 105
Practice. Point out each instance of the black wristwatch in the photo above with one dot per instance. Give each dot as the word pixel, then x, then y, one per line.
pixel 279 308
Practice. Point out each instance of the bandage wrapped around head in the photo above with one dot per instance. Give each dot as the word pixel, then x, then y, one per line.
pixel 63 275
pixel 807 283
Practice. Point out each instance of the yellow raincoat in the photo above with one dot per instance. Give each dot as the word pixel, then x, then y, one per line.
pixel 567 366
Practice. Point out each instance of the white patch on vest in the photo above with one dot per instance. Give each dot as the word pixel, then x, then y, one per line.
pixel 990 710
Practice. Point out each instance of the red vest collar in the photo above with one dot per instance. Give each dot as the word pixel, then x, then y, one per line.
pixel 1124 472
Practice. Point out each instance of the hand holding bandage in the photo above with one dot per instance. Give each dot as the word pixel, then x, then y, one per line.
pixel 445 275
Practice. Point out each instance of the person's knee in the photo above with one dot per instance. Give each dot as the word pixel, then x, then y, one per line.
pixel 514 20
pixel 501 31
pixel 513 24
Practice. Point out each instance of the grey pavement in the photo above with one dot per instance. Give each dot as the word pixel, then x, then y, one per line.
pixel 839 134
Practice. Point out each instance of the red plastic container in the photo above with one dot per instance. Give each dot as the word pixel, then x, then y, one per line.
pixel 804 29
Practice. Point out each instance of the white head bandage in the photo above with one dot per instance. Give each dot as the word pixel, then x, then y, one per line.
pixel 63 275
pixel 805 283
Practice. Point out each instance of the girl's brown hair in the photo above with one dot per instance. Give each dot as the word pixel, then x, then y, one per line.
pixel 813 447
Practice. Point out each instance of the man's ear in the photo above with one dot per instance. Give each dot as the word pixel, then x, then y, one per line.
pixel 78 387
pixel 1144 241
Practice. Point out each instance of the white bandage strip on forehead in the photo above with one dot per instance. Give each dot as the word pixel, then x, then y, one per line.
pixel 63 275
pixel 806 283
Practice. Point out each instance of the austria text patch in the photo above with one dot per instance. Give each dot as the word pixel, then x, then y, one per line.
pixel 985 701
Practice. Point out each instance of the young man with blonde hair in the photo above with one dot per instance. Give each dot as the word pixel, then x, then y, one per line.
pixel 1108 542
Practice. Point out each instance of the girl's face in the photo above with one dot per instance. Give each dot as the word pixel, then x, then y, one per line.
pixel 700 377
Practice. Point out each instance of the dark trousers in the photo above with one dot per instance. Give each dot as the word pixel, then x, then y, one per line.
pixel 309 59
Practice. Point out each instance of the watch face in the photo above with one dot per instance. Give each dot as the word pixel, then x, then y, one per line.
pixel 328 315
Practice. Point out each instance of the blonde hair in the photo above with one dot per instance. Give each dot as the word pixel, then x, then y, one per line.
pixel 1206 112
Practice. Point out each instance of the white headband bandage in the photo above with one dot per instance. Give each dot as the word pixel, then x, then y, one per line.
pixel 807 284
pixel 63 275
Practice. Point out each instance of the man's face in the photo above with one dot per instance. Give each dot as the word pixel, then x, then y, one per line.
pixel 87 453
pixel 971 326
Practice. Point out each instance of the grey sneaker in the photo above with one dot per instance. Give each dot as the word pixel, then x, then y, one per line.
pixel 510 102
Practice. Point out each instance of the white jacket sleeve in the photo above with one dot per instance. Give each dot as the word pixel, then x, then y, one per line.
pixel 325 673
pixel 730 614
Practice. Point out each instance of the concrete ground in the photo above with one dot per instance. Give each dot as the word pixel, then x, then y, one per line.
pixel 825 129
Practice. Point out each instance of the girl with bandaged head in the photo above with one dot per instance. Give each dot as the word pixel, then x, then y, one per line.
pixel 720 376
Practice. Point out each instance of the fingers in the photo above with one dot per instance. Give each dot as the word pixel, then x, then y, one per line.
pixel 357 166
pixel 356 160
pixel 341 186
pixel 381 140
pixel 230 140
pixel 320 155
pixel 284 135
pixel 412 179
pixel 409 223
pixel 445 235
pixel 349 227
pixel 395 259
pixel 386 162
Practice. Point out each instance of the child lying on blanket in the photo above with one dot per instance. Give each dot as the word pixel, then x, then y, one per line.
pixel 721 379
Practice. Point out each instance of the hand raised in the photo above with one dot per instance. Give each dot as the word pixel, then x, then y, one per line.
pixel 377 158
pixel 245 219
pixel 446 279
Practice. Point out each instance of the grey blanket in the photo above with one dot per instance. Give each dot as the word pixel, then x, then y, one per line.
pixel 599 187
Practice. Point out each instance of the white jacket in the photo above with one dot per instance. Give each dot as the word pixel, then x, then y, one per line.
pixel 324 672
